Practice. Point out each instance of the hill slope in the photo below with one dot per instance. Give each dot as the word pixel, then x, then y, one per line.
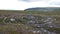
pixel 43 9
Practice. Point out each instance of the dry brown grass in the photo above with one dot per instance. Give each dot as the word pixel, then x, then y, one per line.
pixel 19 12
pixel 15 29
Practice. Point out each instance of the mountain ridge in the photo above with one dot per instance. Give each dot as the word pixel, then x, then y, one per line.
pixel 43 9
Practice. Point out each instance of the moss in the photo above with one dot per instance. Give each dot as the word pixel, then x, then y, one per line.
pixel 57 30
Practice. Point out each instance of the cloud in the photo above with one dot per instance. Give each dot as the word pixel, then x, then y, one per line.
pixel 34 0
pixel 21 5
pixel 54 2
pixel 12 4
pixel 18 5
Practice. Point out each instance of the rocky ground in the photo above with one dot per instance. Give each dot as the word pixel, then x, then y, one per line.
pixel 29 24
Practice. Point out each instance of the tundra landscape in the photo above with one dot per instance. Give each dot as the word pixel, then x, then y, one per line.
pixel 29 22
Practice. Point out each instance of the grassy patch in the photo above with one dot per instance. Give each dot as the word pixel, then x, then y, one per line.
pixel 57 30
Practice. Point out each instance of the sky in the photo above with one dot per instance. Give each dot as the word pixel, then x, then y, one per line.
pixel 24 4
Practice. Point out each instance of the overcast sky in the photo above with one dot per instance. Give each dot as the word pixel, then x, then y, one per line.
pixel 24 4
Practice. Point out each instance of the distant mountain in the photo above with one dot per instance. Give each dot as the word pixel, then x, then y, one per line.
pixel 43 9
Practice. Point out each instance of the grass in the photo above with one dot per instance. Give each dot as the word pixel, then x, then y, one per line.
pixel 52 29
pixel 15 29
pixel 28 12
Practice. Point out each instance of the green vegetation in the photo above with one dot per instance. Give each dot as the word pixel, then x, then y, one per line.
pixel 57 30
pixel 19 25
pixel 15 29
pixel 29 12
pixel 52 29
